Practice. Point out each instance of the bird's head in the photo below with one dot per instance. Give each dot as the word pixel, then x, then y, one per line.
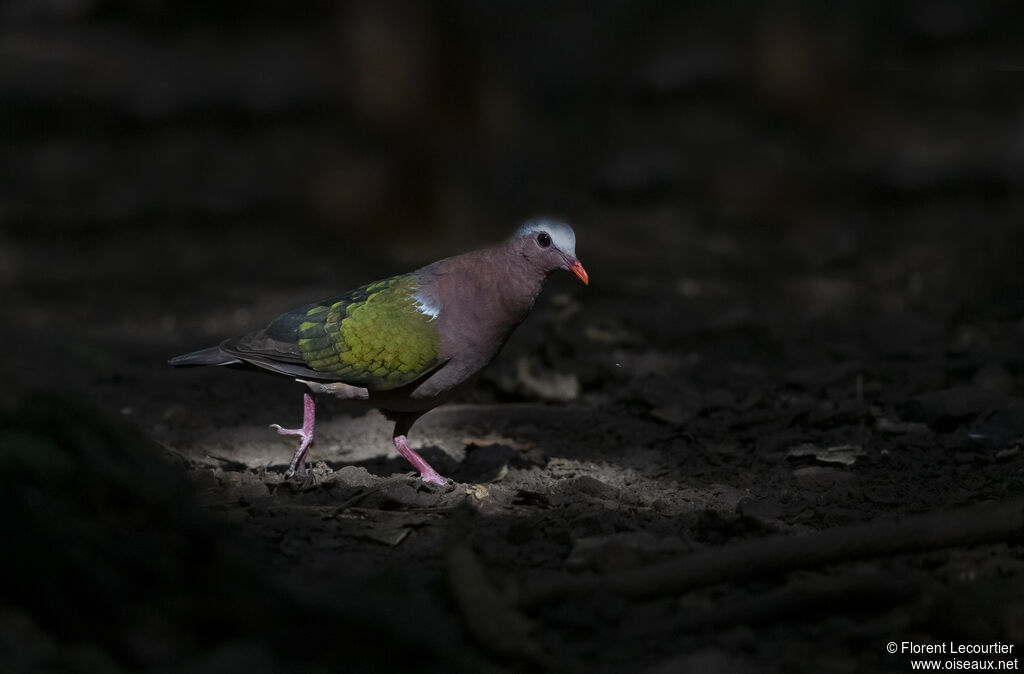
pixel 549 244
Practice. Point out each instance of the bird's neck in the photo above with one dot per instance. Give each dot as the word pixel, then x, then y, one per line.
pixel 517 282
pixel 486 294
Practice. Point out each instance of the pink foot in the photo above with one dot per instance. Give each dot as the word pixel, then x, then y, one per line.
pixel 427 474
pixel 298 464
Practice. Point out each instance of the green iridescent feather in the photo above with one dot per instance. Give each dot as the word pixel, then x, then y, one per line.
pixel 374 336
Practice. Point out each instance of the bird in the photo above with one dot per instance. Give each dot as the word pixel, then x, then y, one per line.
pixel 407 343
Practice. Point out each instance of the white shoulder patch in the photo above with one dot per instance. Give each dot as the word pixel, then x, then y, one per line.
pixel 426 305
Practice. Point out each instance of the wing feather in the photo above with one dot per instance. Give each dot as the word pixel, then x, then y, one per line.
pixel 376 336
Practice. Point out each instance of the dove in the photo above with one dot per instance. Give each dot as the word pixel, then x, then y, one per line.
pixel 407 343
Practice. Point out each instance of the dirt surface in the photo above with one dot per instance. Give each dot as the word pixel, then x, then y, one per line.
pixel 805 315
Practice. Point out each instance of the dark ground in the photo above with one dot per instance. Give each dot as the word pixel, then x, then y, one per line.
pixel 804 234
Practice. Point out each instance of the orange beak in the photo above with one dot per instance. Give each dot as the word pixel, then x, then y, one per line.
pixel 576 268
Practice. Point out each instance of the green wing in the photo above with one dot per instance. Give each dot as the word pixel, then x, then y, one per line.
pixel 375 336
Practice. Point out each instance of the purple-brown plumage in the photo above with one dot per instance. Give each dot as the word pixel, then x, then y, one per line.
pixel 472 302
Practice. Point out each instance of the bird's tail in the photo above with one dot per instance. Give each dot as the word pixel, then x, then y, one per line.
pixel 211 356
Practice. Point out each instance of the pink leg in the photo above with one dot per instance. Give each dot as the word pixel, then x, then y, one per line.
pixel 427 474
pixel 298 464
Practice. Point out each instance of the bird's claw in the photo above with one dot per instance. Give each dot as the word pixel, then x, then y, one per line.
pixel 298 462
pixel 289 431
pixel 303 480
pixel 437 479
pixel 434 482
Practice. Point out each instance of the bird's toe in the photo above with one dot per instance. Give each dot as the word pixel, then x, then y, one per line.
pixel 437 482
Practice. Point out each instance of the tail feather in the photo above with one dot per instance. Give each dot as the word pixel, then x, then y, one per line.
pixel 211 356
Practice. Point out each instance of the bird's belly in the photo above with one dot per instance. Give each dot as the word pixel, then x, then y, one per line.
pixel 427 394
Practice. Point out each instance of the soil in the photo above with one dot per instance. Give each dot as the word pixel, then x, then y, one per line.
pixel 803 233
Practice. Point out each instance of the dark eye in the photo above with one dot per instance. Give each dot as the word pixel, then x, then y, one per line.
pixel 544 239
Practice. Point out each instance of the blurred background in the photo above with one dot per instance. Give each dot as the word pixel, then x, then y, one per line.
pixel 776 203
pixel 163 156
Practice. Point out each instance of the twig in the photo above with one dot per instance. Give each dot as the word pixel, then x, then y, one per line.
pixel 973 525
pixel 802 599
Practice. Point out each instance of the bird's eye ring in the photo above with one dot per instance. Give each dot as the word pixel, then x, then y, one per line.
pixel 544 239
